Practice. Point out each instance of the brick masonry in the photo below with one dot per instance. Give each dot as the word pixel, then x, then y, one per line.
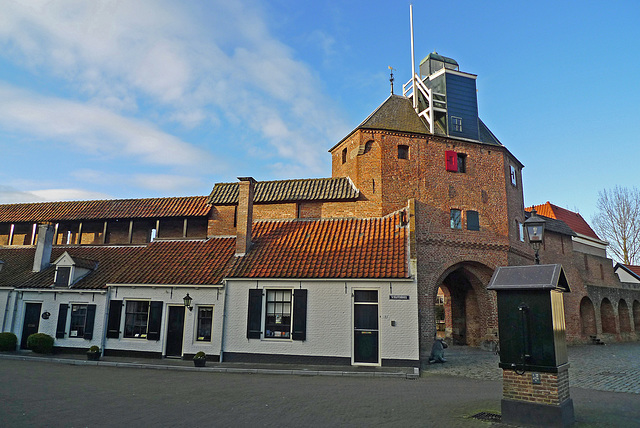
pixel 553 388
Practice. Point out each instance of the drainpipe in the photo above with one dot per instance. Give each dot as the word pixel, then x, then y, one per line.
pixel 224 317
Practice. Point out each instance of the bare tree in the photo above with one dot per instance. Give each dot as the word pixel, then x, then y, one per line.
pixel 618 221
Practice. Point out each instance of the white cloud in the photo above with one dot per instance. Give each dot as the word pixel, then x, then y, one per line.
pixel 156 182
pixel 11 195
pixel 93 128
pixel 184 61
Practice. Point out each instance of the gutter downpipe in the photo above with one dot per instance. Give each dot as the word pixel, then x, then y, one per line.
pixel 224 317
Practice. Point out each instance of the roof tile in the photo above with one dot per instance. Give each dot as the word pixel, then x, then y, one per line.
pixel 310 189
pixel 105 209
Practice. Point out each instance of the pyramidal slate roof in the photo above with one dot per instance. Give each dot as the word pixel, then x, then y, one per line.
pixel 396 113
pixel 309 189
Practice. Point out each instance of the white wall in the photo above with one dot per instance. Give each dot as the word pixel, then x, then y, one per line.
pixel 51 303
pixel 626 276
pixel 202 296
pixel 329 319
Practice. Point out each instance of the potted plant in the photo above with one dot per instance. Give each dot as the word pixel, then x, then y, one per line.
pixel 93 354
pixel 200 359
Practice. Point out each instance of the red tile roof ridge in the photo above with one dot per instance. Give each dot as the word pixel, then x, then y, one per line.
pixel 107 199
pixel 574 220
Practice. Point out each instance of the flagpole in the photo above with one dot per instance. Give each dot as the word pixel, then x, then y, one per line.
pixel 413 63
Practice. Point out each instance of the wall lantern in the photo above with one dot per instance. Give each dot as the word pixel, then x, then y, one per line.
pixel 187 302
pixel 535 232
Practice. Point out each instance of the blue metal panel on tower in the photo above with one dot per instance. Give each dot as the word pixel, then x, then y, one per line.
pixel 462 106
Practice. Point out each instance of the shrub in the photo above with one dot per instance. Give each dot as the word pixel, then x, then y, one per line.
pixel 40 343
pixel 8 341
pixel 200 356
pixel 94 349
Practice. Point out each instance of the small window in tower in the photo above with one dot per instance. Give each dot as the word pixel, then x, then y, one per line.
pixel 462 162
pixel 368 146
pixel 514 177
pixel 344 155
pixel 473 220
pixel 456 219
pixel 456 124
pixel 403 151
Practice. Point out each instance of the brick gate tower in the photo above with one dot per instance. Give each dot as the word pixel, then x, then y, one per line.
pixel 465 187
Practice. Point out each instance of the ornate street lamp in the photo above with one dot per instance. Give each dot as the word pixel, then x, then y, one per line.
pixel 187 302
pixel 535 232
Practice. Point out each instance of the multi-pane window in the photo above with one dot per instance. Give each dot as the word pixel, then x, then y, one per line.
pixel 278 314
pixel 456 219
pixel 78 320
pixel 456 123
pixel 403 151
pixel 136 319
pixel 205 321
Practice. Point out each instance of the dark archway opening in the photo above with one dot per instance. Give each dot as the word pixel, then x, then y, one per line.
pixel 461 310
pixel 607 317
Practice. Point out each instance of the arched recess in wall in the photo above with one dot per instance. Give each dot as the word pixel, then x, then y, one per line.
pixel 623 314
pixel 607 316
pixel 636 315
pixel 587 317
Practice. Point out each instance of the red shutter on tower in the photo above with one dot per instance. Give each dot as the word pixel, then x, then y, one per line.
pixel 451 160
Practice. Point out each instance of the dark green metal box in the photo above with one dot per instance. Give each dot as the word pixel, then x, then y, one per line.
pixel 531 320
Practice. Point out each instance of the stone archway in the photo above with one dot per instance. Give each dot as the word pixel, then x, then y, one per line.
pixel 467 304
pixel 624 317
pixel 587 317
pixel 607 317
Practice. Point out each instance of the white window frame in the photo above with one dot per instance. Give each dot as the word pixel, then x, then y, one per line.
pixel 265 302
pixel 197 330
pixel 124 326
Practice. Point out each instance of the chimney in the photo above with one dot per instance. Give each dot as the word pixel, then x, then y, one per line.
pixel 42 257
pixel 244 215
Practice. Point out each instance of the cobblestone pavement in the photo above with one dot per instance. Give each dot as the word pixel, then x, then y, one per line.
pixel 613 367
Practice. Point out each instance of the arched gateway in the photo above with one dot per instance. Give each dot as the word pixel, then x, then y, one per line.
pixel 468 309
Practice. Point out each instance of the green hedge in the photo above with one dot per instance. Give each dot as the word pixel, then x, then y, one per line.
pixel 8 341
pixel 40 343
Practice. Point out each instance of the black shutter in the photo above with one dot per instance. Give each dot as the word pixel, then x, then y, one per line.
pixel 254 320
pixel 299 315
pixel 113 325
pixel 88 322
pixel 473 220
pixel 155 320
pixel 62 321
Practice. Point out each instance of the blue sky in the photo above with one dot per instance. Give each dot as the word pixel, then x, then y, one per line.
pixel 151 98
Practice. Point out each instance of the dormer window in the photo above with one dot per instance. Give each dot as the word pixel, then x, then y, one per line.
pixel 63 275
pixel 69 270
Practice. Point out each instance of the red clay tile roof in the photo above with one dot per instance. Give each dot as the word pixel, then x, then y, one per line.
pixel 19 262
pixel 573 220
pixel 309 189
pixel 179 263
pixel 339 248
pixel 632 268
pixel 105 209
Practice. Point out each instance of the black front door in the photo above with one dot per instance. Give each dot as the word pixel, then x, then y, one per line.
pixel 365 323
pixel 31 322
pixel 175 331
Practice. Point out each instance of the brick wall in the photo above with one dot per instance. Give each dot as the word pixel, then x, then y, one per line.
pixel 552 390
